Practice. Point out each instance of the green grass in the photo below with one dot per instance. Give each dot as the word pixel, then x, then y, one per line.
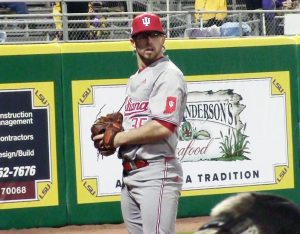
pixel 234 145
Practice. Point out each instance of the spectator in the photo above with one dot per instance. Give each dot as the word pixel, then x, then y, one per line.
pixel 284 5
pixel 270 4
pixel 98 21
pixel 81 7
pixel 210 19
pixel 72 7
pixel 16 7
pixel 56 9
pixel 270 17
pixel 287 5
pixel 272 24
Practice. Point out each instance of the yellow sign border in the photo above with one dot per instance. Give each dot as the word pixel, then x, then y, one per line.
pixel 86 188
pixel 50 194
pixel 286 171
pixel 286 178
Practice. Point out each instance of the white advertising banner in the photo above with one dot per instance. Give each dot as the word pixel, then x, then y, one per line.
pixel 236 135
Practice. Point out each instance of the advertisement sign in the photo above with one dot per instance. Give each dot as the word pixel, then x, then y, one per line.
pixel 28 176
pixel 236 135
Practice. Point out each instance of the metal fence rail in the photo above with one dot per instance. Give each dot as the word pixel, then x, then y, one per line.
pixel 109 25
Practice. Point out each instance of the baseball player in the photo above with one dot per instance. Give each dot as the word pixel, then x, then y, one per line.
pixel 154 108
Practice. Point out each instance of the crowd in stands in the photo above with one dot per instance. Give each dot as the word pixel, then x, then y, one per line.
pixel 218 19
pixel 72 7
pixel 203 20
pixel 272 25
pixel 94 20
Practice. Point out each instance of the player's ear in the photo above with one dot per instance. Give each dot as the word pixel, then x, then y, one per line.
pixel 164 38
pixel 132 43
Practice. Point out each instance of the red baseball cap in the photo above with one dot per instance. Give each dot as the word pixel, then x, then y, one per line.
pixel 146 22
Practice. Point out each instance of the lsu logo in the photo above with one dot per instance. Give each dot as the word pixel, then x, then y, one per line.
pixel 146 21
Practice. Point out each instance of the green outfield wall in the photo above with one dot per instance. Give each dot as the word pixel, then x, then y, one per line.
pixel 50 173
pixel 32 168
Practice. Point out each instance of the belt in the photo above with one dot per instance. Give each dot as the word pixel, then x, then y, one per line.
pixel 136 164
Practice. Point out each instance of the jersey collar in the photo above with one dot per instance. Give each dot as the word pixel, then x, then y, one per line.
pixel 154 63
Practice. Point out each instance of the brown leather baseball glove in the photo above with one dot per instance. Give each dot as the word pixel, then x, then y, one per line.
pixel 109 125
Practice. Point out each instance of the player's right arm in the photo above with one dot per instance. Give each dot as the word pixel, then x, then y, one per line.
pixel 148 133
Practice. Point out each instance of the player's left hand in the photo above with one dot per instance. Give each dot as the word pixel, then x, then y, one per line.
pixel 104 131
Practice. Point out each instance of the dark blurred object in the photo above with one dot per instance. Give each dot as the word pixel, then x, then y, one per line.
pixel 108 6
pixel 253 4
pixel 2 36
pixel 15 7
pixel 255 213
pixel 288 4
pixel 77 7
pixel 78 31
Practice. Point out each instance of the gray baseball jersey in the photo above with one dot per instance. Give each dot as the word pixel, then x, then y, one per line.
pixel 158 92
pixel 150 194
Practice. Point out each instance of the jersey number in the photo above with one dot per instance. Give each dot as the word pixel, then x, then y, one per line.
pixel 138 121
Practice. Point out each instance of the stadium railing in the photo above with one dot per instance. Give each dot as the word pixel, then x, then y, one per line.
pixel 107 24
